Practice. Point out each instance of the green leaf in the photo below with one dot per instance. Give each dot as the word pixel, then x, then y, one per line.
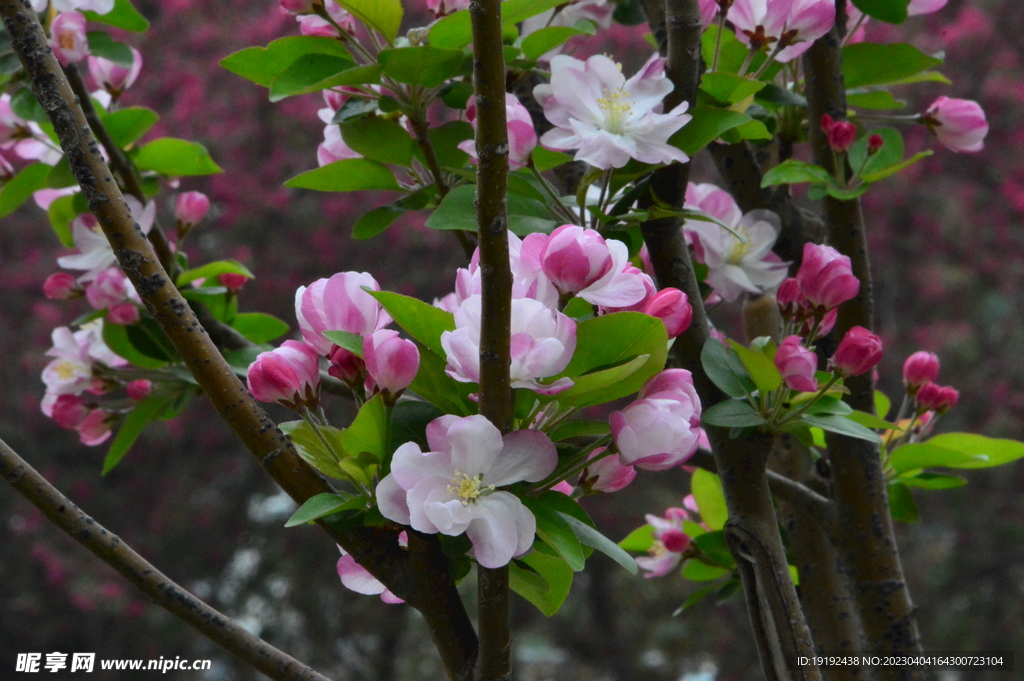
pixel 729 88
pixel 891 11
pixel 382 15
pixel 724 368
pixel 732 414
pixel 262 65
pixel 377 220
pixel 639 540
pixel 751 130
pixel 378 139
pixel 445 139
pixel 695 598
pixel 456 212
pixel 542 580
pixel 874 64
pixel 347 175
pixel 918 455
pixel 890 153
pixel 614 340
pixel 902 506
pixel 546 159
pixel 543 40
pixel 714 548
pixel 426 66
pixel 934 481
pixel 312 449
pixel 259 327
pixel 440 389
pixel 368 431
pixel 352 342
pixel 20 188
pixel 707 492
pixel 893 169
pixel 176 158
pixel 61 212
pixel 844 194
pixel 556 533
pixel 882 404
pixel 792 171
pixel 707 125
pixel 698 571
pixel 878 99
pixel 424 322
pixel 124 15
pixel 761 368
pixel 409 420
pixel 127 126
pixel 842 426
pixel 870 420
pixel 146 410
pixel 591 537
pixel 308 73
pixel 25 105
pixel 579 427
pixel 132 343
pixel 455 32
pixel 102 45
pixel 996 451
pixel 590 389
pixel 318 506
pixel 213 270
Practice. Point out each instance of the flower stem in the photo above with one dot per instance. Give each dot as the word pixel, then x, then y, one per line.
pixel 718 41
pixel 792 416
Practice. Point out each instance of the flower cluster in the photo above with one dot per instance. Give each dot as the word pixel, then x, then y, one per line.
pixel 784 27
pixel 671 543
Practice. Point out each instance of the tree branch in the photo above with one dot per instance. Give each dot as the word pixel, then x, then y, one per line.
pixel 419 576
pixel 866 539
pixel 496 305
pixel 173 598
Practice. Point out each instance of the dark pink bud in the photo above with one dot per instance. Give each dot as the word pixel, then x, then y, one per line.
pixel 574 258
pixel 346 366
pixel 190 208
pixel 232 282
pixel 826 123
pixel 797 365
pixel 920 368
pixel 828 322
pixel 289 375
pixel 69 411
pixel 672 307
pixel 826 277
pixel 391 362
pixel 95 428
pixel 675 541
pixel 139 389
pixel 841 136
pixel 791 301
pixel 875 142
pixel 937 398
pixel 124 314
pixel 61 286
pixel 858 352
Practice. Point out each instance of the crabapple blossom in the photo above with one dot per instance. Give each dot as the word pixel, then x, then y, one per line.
pixel 338 304
pixel 826 277
pixel 797 365
pixel 61 286
pixel 840 134
pixel 920 368
pixel 607 474
pixel 113 77
pixel 139 389
pixel 440 8
pixel 735 266
pixel 98 6
pixel 607 118
pixel 522 138
pixel 528 280
pixel 858 352
pixel 782 24
pixel 109 288
pixel 937 398
pixel 672 307
pixel 714 201
pixel 670 542
pixel 452 488
pixel 542 343
pixel 67 38
pixel 357 578
pixel 660 429
pixel 789 298
pixel 289 375
pixel 347 366
pixel 124 314
pixel 94 252
pixel 959 124
pixel 598 11
pixel 70 372
pixel 580 261
pixel 312 24
pixel 391 362
pixel 190 208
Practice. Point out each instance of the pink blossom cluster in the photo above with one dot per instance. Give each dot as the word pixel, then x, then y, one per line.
pixel 920 372
pixel 671 543
pixel 786 28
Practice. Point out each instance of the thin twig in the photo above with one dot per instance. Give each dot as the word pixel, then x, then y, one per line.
pixel 173 598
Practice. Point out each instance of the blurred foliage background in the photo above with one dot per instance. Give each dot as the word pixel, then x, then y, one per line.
pixel 948 255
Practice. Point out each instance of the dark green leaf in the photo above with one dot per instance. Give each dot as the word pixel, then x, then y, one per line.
pixel 348 175
pixel 127 126
pixel 714 548
pixel 725 369
pixel 445 139
pixel 891 11
pixel 440 389
pixel 259 327
pixel 409 420
pixel 262 65
pixel 456 212
pixel 20 188
pixel 695 598
pixel 546 159
pixel 102 45
pixel 591 537
pixel 570 429
pixel 321 505
pixel 455 32
pixel 543 40
pixel 873 64
pixel 426 66
pixel 732 414
pixel 124 15
pixel 378 139
pixel 870 420
pixel 134 345
pixel 306 74
pixel 424 322
pixel 555 531
pixel 902 506
pixel 146 410
pixel 176 158
pixel 728 590
pixel 792 171
pixel 707 125
pixel 879 99
pixel 24 105
pixel 61 212
pixel 456 95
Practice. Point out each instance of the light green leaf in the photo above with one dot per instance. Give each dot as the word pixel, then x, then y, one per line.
pixel 543 40
pixel 262 65
pixel 698 571
pixel 440 389
pixel 893 169
pixel 320 505
pixel 20 188
pixel 874 64
pixel 729 88
pixel 352 342
pixel 842 426
pixel 707 125
pixel 762 370
pixel 934 481
pixel 424 322
pixel 902 506
pixel 870 420
pixel 542 580
pixel 368 431
pixel 455 32
pixel 146 411
pixel 102 45
pixel 882 404
pixel 456 212
pixel 132 343
pixel 259 327
pixel 124 15
pixel 546 159
pixel 792 171
pixel 347 175
pixel 61 212
pixel 577 428
pixel 587 390
pixel 919 455
pixel 326 459
pixel 382 15
pixel 724 368
pixel 176 158
pixel 639 540
pixel 714 548
pixel 996 451
pixel 591 537
pixel 877 99
pixel 127 126
pixel 213 270
pixel 707 492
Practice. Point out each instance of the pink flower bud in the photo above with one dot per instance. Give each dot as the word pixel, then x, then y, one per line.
pixel 69 411
pixel 346 366
pixel 841 135
pixel 68 39
pixel 564 487
pixel 672 307
pixel 925 6
pixel 959 124
pixel 311 24
pixel 574 258
pixel 391 362
pixel 937 398
pixel 791 301
pixel 522 137
pixel 190 208
pixel 109 288
pixel 675 541
pixel 606 475
pixel 826 277
pixel 858 352
pixel 125 313
pixel 338 304
pixel 139 389
pixel 113 77
pixel 920 368
pixel 95 429
pixel 797 365
pixel 828 322
pixel 670 381
pixel 61 286
pixel 233 282
pixel 661 429
pixel 289 375
pixel 875 142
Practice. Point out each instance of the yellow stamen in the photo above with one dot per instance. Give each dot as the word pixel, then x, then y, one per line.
pixel 617 105
pixel 468 488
